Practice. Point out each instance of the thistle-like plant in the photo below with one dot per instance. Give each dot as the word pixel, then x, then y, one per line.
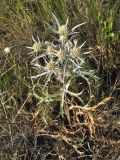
pixel 37 46
pixel 63 61
pixel 63 30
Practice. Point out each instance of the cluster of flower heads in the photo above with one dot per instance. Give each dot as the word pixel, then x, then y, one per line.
pixel 64 57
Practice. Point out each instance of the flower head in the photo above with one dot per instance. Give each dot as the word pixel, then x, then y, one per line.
pixel 37 46
pixel 47 70
pixel 50 66
pixel 7 50
pixel 63 30
pixel 50 50
pixel 74 52
pixel 60 54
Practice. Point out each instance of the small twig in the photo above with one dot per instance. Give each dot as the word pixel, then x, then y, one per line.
pixel 7 70
pixel 20 109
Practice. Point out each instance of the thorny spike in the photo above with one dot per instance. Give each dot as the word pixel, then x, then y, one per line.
pixel 82 45
pixel 56 20
pixel 78 26
pixel 34 39
pixel 67 22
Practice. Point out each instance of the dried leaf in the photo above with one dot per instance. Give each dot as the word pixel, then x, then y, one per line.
pixel 91 124
pixel 104 101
